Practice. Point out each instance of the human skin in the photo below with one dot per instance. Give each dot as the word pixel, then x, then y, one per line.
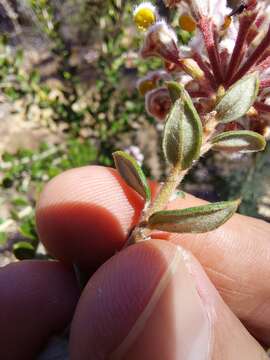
pixel 235 257
pixel 37 300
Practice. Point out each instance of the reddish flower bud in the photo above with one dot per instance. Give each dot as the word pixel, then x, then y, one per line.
pixel 161 41
pixel 158 103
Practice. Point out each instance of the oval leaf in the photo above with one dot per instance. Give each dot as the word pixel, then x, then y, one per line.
pixel 132 173
pixel 238 99
pixel 242 141
pixel 183 131
pixel 194 220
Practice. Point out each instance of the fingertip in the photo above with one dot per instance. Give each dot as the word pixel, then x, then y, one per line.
pixel 84 215
pixel 154 301
pixel 115 297
pixel 142 303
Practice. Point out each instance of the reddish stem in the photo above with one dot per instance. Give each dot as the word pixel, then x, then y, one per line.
pixel 254 29
pixel 262 107
pixel 206 27
pixel 224 57
pixel 263 65
pixel 245 22
pixel 254 58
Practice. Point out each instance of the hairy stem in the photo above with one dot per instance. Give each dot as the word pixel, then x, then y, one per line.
pixel 253 59
pixel 167 189
pixel 141 232
pixel 206 28
pixel 245 23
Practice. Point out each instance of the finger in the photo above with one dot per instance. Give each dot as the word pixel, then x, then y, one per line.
pixel 154 301
pixel 84 216
pixel 91 203
pixel 37 300
pixel 236 258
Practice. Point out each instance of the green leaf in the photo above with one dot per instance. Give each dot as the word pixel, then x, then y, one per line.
pixel 183 129
pixel 242 141
pixel 194 220
pixel 3 238
pixel 23 250
pixel 28 229
pixel 19 201
pixel 238 98
pixel 132 173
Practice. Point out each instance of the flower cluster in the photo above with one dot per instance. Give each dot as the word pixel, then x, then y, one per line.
pixel 227 44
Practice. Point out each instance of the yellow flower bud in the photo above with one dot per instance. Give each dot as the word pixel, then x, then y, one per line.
pixel 192 68
pixel 144 16
pixel 187 23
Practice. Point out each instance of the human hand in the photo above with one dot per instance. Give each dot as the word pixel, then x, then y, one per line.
pixel 154 300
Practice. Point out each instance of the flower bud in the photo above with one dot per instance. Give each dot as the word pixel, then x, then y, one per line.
pixel 199 8
pixel 150 81
pixel 144 15
pixel 192 68
pixel 158 103
pixel 161 41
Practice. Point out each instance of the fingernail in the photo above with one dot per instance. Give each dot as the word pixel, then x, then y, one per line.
pixel 176 322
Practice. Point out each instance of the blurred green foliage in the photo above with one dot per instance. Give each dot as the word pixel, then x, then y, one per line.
pixel 106 113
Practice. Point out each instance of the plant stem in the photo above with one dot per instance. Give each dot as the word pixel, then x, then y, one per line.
pixel 253 59
pixel 141 232
pixel 167 189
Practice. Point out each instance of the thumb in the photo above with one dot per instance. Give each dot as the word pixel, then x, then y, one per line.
pixel 154 301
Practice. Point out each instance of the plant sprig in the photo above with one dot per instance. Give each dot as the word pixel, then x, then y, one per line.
pixel 199 117
pixel 185 140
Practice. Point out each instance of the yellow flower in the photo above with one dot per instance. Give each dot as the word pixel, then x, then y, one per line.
pixel 144 15
pixel 151 80
pixel 186 22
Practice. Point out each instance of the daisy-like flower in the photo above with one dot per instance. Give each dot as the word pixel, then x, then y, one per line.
pixel 145 15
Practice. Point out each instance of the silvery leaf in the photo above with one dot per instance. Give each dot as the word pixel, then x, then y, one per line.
pixel 198 219
pixel 132 173
pixel 242 141
pixel 183 130
pixel 238 98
